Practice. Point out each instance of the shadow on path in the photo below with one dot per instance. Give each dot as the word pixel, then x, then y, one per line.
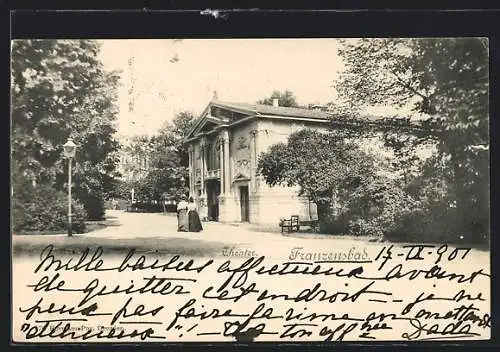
pixel 33 245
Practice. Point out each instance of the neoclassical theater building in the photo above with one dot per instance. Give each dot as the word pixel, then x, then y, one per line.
pixel 224 145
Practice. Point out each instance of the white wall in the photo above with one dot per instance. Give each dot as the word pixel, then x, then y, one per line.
pixel 280 201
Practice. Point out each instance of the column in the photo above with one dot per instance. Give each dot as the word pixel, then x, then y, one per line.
pixel 227 175
pixel 221 165
pixel 191 170
pixel 259 179
pixel 227 205
pixel 203 164
pixel 203 206
pixel 255 196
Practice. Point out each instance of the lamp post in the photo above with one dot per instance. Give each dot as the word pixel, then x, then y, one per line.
pixel 69 149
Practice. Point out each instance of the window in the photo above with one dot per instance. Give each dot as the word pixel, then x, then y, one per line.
pixel 213 156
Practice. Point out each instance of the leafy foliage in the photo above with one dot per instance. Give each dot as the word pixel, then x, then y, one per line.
pixel 168 160
pixel 446 81
pixel 443 197
pixel 60 89
pixel 321 164
pixel 40 208
pixel 374 207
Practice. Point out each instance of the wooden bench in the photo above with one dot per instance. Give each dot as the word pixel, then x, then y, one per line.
pixel 291 224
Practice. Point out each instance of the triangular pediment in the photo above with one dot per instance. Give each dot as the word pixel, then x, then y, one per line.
pixel 208 126
pixel 215 115
pixel 206 123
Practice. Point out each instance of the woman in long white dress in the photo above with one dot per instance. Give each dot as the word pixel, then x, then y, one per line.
pixel 182 216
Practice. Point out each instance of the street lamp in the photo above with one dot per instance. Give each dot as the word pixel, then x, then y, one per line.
pixel 69 151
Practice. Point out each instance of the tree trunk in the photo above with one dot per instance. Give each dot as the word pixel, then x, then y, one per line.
pixel 324 216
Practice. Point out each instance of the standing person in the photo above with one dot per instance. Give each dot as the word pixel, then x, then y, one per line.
pixel 194 218
pixel 182 216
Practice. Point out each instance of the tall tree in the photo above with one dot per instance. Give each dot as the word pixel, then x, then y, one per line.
pixel 286 98
pixel 447 80
pixel 169 160
pixel 61 89
pixel 321 164
pixel 172 135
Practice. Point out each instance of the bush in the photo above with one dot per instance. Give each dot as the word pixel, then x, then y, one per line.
pixel 372 206
pixel 94 206
pixel 41 208
pixel 365 227
pixel 328 222
pixel 384 208
pixel 438 223
pixel 146 207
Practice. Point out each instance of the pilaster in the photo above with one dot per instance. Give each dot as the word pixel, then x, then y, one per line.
pixel 191 170
pixel 221 165
pixel 203 206
pixel 227 167
pixel 253 161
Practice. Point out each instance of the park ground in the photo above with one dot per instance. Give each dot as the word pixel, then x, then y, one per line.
pixel 157 233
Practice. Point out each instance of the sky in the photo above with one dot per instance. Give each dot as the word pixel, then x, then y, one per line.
pixel 167 76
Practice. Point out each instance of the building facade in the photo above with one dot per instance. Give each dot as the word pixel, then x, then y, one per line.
pixel 224 145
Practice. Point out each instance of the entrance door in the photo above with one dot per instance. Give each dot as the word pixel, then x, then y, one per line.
pixel 213 191
pixel 245 214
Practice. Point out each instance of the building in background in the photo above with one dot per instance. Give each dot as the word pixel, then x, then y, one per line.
pixel 224 145
pixel 134 162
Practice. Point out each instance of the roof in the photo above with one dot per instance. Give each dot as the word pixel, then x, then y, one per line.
pixel 260 109
pixel 256 110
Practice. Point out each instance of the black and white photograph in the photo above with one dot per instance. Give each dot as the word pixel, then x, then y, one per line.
pixel 248 190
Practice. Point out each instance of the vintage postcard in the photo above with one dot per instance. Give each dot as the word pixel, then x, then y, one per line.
pixel 246 190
